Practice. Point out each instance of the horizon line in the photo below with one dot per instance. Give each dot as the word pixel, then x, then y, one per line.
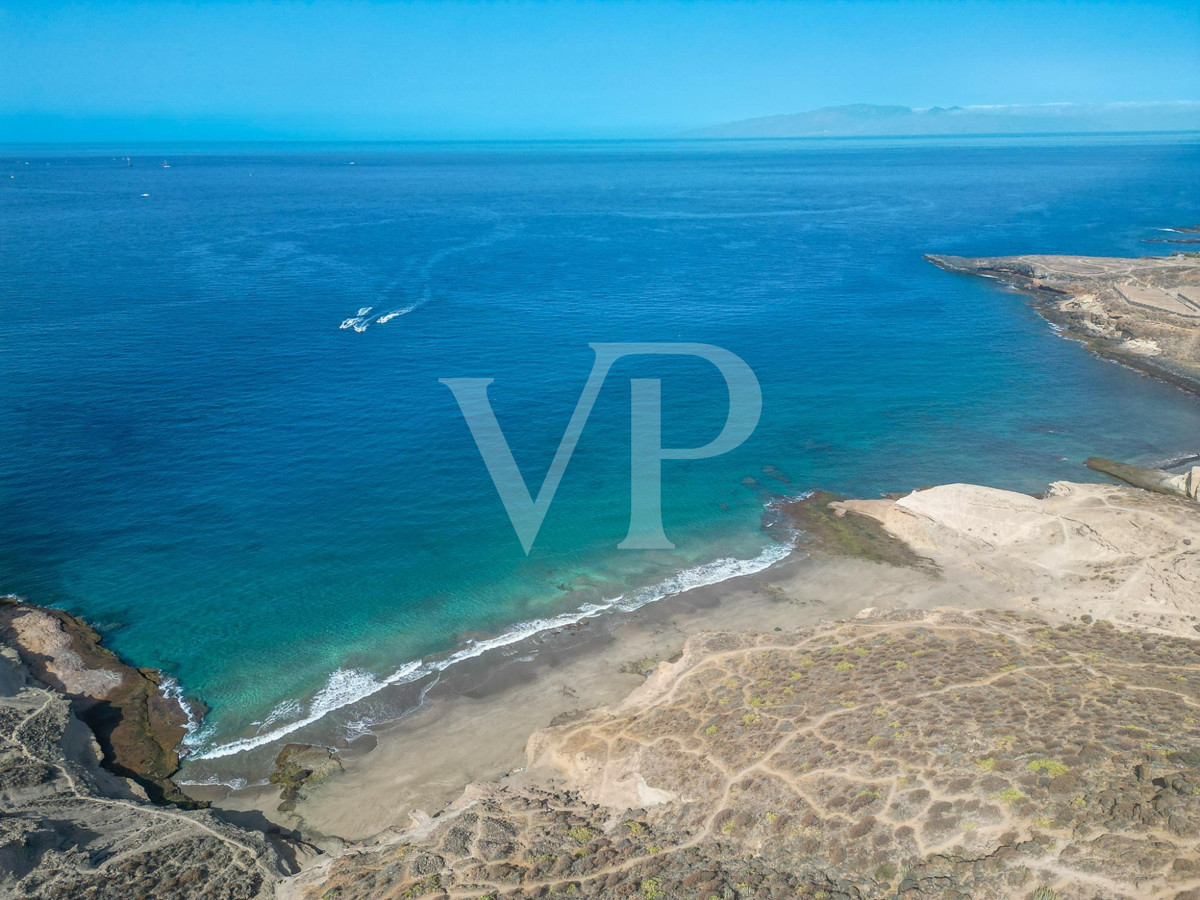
pixel 594 140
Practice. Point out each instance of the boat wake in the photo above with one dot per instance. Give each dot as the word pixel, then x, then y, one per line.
pixel 365 317
pixel 359 321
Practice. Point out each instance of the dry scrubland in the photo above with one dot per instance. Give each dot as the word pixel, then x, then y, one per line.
pixel 915 754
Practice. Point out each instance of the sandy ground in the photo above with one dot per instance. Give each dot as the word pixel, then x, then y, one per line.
pixel 1115 553
pixel 1103 551
pixel 475 728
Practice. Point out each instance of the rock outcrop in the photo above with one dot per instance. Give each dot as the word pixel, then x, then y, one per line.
pixel 298 765
pixel 1186 484
pixel 72 829
pixel 138 726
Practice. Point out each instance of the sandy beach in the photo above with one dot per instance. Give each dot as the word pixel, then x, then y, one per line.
pixel 475 724
pixel 1101 551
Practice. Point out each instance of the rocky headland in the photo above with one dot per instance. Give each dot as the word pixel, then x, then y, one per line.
pixel 1143 312
pixel 76 818
pixel 137 724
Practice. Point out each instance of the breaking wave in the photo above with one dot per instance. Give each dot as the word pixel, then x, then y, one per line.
pixel 348 686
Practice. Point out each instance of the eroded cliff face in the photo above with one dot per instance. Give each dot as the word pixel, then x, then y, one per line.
pixel 71 829
pixel 1144 312
pixel 904 753
pixel 138 727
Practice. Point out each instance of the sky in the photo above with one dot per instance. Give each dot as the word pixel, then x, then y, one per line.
pixel 345 69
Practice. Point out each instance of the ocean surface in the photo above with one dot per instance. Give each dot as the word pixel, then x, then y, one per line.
pixel 223 439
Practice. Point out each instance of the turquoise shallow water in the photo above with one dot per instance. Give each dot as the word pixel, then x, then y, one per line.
pixel 283 512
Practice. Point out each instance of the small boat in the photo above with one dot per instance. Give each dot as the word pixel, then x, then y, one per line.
pixel 166 166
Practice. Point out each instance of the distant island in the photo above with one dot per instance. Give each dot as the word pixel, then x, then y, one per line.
pixel 869 120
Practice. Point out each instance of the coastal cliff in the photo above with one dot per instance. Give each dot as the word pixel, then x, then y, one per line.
pixel 138 725
pixel 71 825
pixel 1142 312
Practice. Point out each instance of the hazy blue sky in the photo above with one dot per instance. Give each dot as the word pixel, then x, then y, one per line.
pixel 121 70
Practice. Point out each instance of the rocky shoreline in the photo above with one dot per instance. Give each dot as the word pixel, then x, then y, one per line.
pixel 1143 312
pixel 138 726
pixel 76 814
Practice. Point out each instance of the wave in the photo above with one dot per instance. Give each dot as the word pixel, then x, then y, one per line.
pixel 349 686
pixel 212 781
pixel 171 689
pixel 344 687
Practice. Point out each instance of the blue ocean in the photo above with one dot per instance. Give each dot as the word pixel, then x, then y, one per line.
pixel 224 441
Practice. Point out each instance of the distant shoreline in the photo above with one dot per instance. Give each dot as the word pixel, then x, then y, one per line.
pixel 1082 298
pixel 39 148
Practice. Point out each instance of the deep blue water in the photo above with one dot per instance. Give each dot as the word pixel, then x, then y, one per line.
pixel 197 457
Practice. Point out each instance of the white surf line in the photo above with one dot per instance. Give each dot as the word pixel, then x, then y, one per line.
pixel 171 689
pixel 348 686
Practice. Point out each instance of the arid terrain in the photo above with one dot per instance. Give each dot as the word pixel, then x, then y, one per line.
pixel 908 753
pixel 1144 312
pixel 1044 748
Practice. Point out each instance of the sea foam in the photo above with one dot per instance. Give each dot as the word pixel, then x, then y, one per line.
pixel 348 686
pixel 173 690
